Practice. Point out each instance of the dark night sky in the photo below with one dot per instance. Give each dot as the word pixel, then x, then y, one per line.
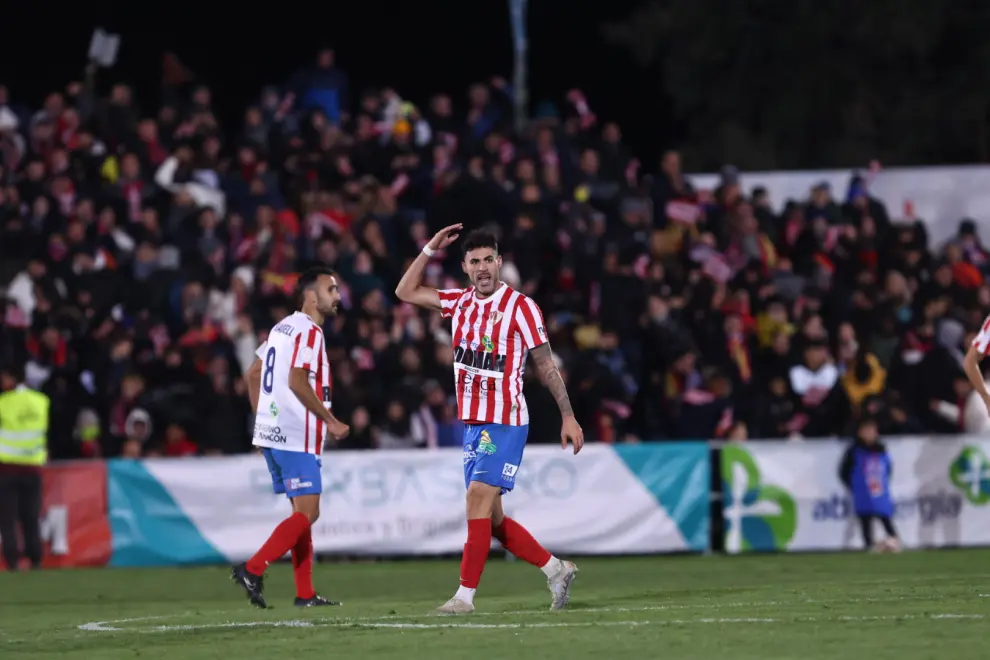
pixel 419 46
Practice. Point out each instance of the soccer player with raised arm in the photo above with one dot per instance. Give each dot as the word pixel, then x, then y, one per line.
pixel 289 385
pixel 494 327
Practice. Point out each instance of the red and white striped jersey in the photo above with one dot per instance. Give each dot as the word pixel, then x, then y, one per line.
pixel 492 337
pixel 982 340
pixel 282 421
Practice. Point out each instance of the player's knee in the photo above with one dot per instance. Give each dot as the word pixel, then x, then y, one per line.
pixel 481 500
pixel 309 508
pixel 312 512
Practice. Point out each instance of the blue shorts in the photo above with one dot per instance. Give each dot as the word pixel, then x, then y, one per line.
pixel 493 453
pixel 294 472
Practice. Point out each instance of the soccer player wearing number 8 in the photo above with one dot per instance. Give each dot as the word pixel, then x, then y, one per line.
pixel 494 328
pixel 289 385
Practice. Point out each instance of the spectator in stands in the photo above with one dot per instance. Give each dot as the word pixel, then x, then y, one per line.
pixel 863 378
pixel 813 381
pixel 143 257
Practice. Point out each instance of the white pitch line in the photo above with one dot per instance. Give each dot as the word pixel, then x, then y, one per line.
pixel 372 623
pixel 236 624
pixel 337 623
pixel 109 626
pixel 101 626
pixel 668 622
pixel 956 616
pixel 560 624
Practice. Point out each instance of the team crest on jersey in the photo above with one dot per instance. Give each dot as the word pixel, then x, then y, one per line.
pixel 485 445
pixel 496 316
pixel 273 409
pixel 486 342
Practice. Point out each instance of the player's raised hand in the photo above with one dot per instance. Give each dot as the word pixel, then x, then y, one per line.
pixel 445 237
pixel 570 431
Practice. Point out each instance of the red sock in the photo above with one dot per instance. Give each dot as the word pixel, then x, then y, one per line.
pixel 517 540
pixel 302 565
pixel 280 542
pixel 479 542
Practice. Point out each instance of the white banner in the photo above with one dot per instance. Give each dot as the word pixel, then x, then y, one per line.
pixel 788 496
pixel 412 502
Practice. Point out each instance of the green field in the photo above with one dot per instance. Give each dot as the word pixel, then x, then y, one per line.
pixel 850 606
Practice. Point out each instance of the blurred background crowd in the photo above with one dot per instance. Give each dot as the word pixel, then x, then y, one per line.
pixel 146 251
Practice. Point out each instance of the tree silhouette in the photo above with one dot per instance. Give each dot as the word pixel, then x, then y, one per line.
pixel 818 83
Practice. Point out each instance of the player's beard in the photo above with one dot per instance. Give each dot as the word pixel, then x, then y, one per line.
pixel 328 309
pixel 488 286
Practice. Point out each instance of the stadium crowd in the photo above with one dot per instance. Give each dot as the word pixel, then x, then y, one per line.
pixel 145 254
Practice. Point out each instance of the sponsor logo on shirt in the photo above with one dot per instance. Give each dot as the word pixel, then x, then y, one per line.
pixel 470 384
pixel 273 409
pixel 269 433
pixel 486 446
pixel 486 359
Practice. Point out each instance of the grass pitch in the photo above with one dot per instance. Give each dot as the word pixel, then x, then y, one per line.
pixel 905 607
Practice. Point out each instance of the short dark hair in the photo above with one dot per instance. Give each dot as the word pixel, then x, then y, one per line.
pixel 480 238
pixel 307 280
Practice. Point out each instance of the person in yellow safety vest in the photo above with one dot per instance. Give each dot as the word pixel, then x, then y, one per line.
pixel 23 451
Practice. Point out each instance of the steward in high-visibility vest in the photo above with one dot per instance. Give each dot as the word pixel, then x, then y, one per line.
pixel 23 453
pixel 24 427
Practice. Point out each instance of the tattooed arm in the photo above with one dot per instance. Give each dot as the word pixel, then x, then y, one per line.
pixel 543 357
pixel 570 430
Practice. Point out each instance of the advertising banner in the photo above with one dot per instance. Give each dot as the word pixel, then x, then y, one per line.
pixel 74 526
pixel 631 499
pixel 788 495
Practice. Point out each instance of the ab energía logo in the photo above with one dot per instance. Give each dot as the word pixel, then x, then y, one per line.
pixel 970 473
pixel 757 516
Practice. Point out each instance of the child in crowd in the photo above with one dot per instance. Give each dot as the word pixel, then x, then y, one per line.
pixel 866 470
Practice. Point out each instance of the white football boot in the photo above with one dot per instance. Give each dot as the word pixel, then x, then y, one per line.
pixel 455 606
pixel 560 585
